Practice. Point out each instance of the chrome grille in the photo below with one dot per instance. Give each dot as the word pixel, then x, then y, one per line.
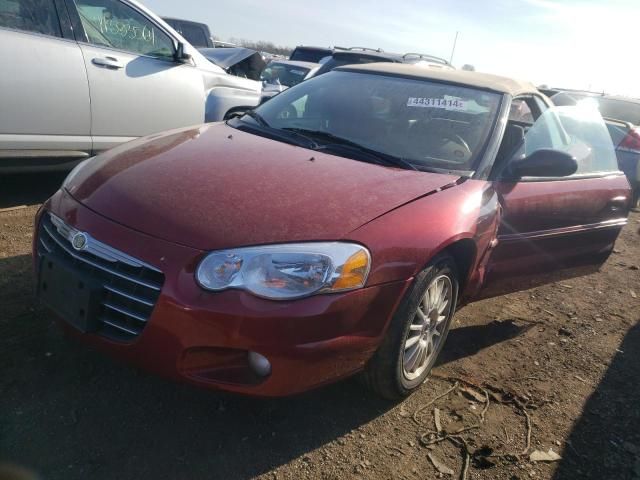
pixel 130 287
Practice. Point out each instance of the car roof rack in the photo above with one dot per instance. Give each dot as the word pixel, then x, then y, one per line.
pixel 314 46
pixel 601 93
pixel 426 56
pixel 365 49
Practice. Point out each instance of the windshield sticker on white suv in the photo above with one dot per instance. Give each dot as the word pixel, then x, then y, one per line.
pixel 444 103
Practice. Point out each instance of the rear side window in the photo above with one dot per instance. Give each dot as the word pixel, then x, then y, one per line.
pixel 194 34
pixel 38 16
pixel 614 108
pixel 620 110
pixel 520 111
pixel 111 23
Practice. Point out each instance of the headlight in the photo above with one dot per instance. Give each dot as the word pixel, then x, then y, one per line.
pixel 74 172
pixel 283 272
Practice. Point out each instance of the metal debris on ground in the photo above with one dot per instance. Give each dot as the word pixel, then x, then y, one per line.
pixel 521 403
pixel 436 420
pixel 540 456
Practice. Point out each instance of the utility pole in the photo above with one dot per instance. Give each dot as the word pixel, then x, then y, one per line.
pixel 454 47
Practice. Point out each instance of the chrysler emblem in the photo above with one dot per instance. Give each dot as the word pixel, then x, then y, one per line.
pixel 79 241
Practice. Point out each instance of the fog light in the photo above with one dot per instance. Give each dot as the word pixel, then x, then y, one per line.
pixel 259 364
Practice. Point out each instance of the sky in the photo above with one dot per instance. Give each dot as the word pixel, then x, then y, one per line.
pixel 582 44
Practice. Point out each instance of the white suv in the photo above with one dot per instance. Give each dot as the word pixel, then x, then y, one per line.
pixel 81 76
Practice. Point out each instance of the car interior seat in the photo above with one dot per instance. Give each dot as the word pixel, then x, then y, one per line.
pixel 511 141
pixel 34 17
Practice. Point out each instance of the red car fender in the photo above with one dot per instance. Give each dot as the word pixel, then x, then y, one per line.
pixel 462 220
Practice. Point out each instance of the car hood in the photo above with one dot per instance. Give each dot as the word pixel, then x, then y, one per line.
pixel 228 57
pixel 213 187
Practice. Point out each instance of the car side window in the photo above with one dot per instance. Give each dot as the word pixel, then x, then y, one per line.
pixel 520 111
pixel 112 24
pixel 547 132
pixel 579 131
pixel 540 105
pixel 38 16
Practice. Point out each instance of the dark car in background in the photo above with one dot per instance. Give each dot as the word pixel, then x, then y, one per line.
pixel 359 55
pixel 196 33
pixel 310 54
pixel 622 115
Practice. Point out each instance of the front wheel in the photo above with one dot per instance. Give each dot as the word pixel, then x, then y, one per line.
pixel 417 332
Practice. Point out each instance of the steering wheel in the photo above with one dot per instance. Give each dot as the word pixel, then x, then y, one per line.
pixel 456 139
pixel 289 112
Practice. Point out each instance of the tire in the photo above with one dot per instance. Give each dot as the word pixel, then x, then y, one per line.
pixel 393 372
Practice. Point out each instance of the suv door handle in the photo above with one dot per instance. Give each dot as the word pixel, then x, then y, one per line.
pixel 108 62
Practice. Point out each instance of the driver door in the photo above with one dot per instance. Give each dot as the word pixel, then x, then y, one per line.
pixel 556 228
pixel 135 85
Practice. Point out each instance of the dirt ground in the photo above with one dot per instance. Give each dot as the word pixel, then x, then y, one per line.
pixel 560 364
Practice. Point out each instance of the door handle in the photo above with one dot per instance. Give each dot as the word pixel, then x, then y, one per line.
pixel 108 62
pixel 617 204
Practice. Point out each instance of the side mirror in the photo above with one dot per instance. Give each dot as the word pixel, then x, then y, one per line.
pixel 236 114
pixel 180 55
pixel 544 163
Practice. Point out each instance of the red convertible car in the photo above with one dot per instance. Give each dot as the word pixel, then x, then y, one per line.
pixel 333 230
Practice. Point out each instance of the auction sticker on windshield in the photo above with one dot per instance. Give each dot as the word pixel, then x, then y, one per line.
pixel 447 104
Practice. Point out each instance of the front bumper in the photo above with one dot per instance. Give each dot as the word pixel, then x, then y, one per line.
pixel 204 337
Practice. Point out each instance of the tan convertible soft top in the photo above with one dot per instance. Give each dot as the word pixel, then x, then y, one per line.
pixel 460 77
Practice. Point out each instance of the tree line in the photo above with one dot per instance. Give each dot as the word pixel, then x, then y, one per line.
pixel 262 46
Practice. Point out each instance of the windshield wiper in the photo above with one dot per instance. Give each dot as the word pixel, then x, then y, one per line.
pixel 335 140
pixel 261 127
pixel 257 117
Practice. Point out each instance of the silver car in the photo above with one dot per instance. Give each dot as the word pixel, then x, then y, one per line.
pixel 82 76
pixel 282 74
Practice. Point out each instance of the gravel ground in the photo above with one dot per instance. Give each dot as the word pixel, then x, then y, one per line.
pixel 559 363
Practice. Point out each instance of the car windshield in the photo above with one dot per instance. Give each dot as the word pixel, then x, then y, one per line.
pixel 284 74
pixel 426 124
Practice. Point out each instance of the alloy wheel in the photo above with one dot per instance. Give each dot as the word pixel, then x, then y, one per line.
pixel 425 333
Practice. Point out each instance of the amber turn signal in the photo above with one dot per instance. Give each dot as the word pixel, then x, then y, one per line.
pixel 354 272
